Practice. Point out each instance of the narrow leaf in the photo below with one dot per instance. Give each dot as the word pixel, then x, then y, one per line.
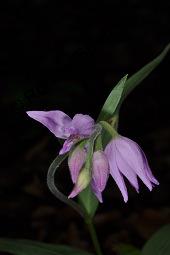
pixel 124 87
pixel 28 247
pixel 112 101
pixel 139 76
pixel 159 244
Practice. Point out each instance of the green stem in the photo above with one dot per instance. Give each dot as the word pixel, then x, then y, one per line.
pixel 114 121
pixel 109 128
pixel 93 236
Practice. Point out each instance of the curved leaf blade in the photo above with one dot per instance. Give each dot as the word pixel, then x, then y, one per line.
pixel 159 244
pixel 125 87
pixel 28 247
pixel 140 75
pixel 127 249
pixel 113 100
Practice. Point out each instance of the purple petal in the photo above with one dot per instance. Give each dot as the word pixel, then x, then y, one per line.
pixel 55 121
pixel 127 171
pixel 75 162
pixel 133 157
pixel 147 169
pixel 100 170
pixel 83 124
pixel 110 151
pixel 67 146
pixel 76 190
pixel 97 193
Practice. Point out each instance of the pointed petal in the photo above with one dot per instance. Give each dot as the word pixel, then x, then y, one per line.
pixel 55 121
pixel 127 171
pixel 110 151
pixel 147 169
pixel 67 146
pixel 132 156
pixel 75 162
pixel 76 190
pixel 84 124
pixel 100 170
pixel 97 193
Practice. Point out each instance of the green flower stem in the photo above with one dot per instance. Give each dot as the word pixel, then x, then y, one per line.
pixel 98 144
pixel 114 121
pixel 93 235
pixel 113 133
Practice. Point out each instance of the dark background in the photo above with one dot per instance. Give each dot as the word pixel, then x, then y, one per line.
pixel 68 56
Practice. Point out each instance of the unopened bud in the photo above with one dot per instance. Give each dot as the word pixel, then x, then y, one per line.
pixel 100 170
pixel 82 182
pixel 75 162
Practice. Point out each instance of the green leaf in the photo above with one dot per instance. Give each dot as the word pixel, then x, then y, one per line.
pixel 124 87
pixel 112 101
pixel 159 244
pixel 127 249
pixel 27 247
pixel 139 76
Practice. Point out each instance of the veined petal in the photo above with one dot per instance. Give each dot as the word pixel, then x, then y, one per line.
pixel 97 193
pixel 110 151
pixel 100 170
pixel 55 121
pixel 132 156
pixel 147 169
pixel 75 162
pixel 83 124
pixel 127 171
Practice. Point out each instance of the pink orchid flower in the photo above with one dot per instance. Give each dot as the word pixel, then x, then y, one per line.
pixel 121 158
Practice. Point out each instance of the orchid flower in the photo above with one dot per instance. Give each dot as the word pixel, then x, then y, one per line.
pixel 62 126
pixel 121 156
pixel 127 159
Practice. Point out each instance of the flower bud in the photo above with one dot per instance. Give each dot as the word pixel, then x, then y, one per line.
pixel 75 162
pixel 100 170
pixel 82 182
